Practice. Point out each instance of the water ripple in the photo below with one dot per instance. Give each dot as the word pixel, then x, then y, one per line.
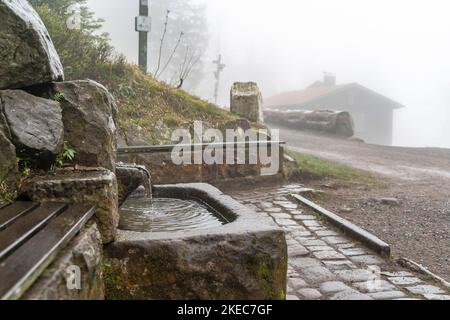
pixel 164 214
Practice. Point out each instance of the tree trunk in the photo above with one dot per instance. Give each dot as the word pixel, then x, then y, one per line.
pixel 333 122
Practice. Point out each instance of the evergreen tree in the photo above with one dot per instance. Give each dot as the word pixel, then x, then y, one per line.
pixel 83 51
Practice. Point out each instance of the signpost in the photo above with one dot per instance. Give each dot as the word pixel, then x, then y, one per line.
pixel 143 26
pixel 220 67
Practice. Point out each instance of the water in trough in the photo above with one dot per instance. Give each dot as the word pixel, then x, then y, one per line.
pixel 166 215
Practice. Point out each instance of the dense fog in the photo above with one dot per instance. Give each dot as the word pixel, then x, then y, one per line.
pixel 400 49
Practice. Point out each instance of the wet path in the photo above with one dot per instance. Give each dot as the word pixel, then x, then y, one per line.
pixel 325 264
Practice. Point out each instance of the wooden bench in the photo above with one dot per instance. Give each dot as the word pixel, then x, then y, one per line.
pixel 31 236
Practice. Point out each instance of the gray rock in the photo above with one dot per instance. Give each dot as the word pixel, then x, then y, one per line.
pixel 317 274
pixel 350 295
pixel 312 243
pixel 281 216
pixel 425 289
pixel 303 263
pixel 390 201
pixel 373 286
pixel 333 287
pixel 353 252
pixel 89 114
pixel 35 125
pixel 367 259
pixel 86 252
pixel 405 280
pixel 328 255
pixel 320 248
pixel 387 295
pixel 246 101
pixel 355 275
pixel 286 222
pixel 297 283
pixel 397 274
pixel 327 233
pixel 309 294
pixel 311 224
pixel 338 264
pixel 304 217
pixel 27 54
pixel 335 240
pixel 437 297
pixel 297 250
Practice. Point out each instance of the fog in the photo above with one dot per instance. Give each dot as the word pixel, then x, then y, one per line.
pixel 400 49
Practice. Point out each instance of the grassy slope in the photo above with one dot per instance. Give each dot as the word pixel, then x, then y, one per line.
pixel 150 104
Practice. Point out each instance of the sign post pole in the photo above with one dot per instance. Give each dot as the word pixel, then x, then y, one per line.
pixel 143 25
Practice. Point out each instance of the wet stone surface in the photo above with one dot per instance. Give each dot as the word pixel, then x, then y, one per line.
pixel 325 264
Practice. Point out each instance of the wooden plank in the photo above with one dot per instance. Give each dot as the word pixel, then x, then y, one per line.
pixel 24 227
pixel 19 270
pixel 14 211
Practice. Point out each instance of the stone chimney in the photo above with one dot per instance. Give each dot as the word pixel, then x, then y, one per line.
pixel 329 79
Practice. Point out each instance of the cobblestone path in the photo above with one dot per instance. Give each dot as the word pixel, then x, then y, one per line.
pixel 325 264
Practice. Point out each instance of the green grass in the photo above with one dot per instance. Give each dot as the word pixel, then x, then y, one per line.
pixel 315 168
pixel 144 101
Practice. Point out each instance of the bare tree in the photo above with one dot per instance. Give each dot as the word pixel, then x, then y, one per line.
pixel 186 67
pixel 161 44
pixel 171 55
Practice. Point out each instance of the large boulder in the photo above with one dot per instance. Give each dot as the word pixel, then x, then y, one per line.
pixel 27 54
pixel 246 101
pixel 35 125
pixel 89 112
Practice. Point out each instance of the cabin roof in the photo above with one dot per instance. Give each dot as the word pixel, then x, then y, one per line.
pixel 315 92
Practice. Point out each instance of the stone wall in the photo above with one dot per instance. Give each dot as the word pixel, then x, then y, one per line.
pixel 164 171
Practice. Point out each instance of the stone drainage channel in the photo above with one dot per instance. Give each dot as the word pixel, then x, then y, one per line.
pixel 324 264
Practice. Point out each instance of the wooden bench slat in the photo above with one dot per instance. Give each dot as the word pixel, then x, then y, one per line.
pixel 14 211
pixel 19 270
pixel 25 226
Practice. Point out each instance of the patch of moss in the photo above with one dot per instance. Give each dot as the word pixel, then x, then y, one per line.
pixel 112 282
pixel 266 280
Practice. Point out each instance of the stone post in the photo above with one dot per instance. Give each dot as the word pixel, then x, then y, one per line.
pixel 246 101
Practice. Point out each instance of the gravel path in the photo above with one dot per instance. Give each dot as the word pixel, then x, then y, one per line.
pixel 419 226
pixel 324 264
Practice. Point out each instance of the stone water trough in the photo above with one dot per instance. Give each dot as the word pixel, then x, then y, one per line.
pixel 234 254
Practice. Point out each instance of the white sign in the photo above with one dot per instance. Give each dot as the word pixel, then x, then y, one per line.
pixel 143 24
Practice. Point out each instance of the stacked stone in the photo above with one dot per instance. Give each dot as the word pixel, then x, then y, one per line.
pixel 40 114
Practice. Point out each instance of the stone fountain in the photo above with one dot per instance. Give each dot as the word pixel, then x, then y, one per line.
pixel 240 256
